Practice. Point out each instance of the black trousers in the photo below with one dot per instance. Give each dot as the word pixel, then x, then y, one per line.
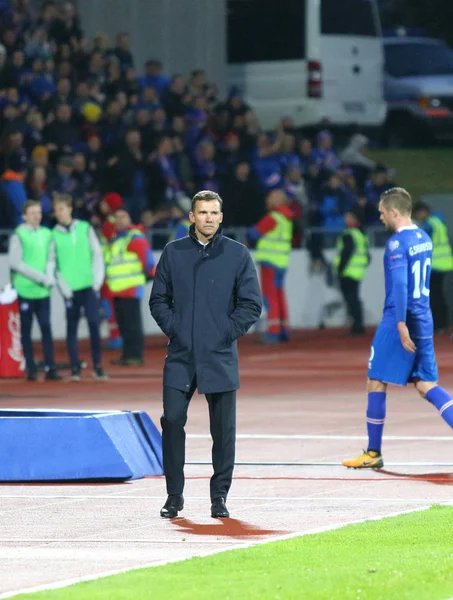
pixel 350 289
pixel 129 318
pixel 40 308
pixel 88 300
pixel 222 419
pixel 437 300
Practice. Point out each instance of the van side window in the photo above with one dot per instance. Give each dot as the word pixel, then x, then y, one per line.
pixel 261 30
pixel 348 17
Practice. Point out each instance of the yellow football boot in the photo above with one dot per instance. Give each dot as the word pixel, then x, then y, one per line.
pixel 367 460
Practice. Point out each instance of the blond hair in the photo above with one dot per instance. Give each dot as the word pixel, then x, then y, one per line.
pixel 397 198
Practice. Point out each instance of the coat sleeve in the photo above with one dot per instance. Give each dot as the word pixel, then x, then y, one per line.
pixel 248 298
pixel 161 299
pixel 346 253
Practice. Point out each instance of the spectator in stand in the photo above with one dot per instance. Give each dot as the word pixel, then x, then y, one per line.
pixel 122 51
pixel 205 166
pixel 155 78
pixel 63 182
pixel 176 99
pixel 288 155
pixel 13 185
pixel 379 182
pixel 353 157
pixel 66 27
pixel 334 203
pixel 61 134
pixel 164 185
pixel 266 161
pixel 126 172
pixel 324 153
pixel 149 100
pixel 40 157
pixel 295 185
pixel 36 187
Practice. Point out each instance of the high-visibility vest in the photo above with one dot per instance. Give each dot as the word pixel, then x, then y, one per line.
pixel 74 258
pixel 357 264
pixel 124 269
pixel 35 254
pixel 274 247
pixel 442 252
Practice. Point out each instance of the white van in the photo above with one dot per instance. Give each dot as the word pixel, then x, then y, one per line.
pixel 318 61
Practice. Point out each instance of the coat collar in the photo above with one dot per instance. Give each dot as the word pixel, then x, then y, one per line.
pixel 215 240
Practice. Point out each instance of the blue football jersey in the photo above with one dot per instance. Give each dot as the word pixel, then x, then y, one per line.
pixel 410 248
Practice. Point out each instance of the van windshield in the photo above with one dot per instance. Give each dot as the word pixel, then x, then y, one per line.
pixel 349 17
pixel 260 30
pixel 414 59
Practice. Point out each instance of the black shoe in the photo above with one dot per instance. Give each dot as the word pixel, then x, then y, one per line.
pixel 99 374
pixel 52 375
pixel 219 509
pixel 172 506
pixel 32 375
pixel 75 374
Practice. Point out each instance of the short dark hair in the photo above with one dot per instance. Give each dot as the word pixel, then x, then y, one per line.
pixel 28 204
pixel 398 198
pixel 206 196
pixel 421 206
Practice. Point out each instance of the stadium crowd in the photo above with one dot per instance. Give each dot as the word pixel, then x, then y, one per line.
pixel 78 117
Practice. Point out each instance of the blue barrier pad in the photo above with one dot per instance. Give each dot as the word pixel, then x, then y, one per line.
pixel 53 445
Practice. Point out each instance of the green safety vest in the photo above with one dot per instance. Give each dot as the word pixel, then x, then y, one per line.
pixel 358 263
pixel 74 259
pixel 274 247
pixel 124 269
pixel 442 252
pixel 35 254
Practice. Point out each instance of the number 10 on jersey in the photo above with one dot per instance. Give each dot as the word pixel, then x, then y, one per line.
pixel 420 278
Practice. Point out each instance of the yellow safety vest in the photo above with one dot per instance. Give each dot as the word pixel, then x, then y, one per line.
pixel 442 252
pixel 124 269
pixel 358 263
pixel 274 247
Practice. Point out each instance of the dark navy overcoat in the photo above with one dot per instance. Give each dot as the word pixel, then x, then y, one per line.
pixel 204 298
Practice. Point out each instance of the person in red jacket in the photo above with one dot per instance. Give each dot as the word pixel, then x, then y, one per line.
pixel 109 203
pixel 273 237
pixel 130 263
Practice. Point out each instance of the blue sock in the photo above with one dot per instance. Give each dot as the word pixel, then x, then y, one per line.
pixel 375 419
pixel 442 400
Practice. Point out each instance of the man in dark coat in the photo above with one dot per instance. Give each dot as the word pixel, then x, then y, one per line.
pixel 205 296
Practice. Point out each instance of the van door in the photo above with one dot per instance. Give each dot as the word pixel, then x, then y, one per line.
pixel 352 62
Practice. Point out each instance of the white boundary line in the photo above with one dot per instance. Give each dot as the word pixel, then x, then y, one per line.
pixel 314 499
pixel 69 582
pixel 302 436
pixel 251 463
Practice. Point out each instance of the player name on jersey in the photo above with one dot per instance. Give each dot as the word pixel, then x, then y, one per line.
pixel 425 247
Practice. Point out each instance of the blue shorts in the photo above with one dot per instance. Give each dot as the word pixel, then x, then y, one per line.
pixel 391 363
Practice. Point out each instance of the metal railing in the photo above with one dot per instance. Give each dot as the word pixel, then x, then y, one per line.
pixel 327 237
